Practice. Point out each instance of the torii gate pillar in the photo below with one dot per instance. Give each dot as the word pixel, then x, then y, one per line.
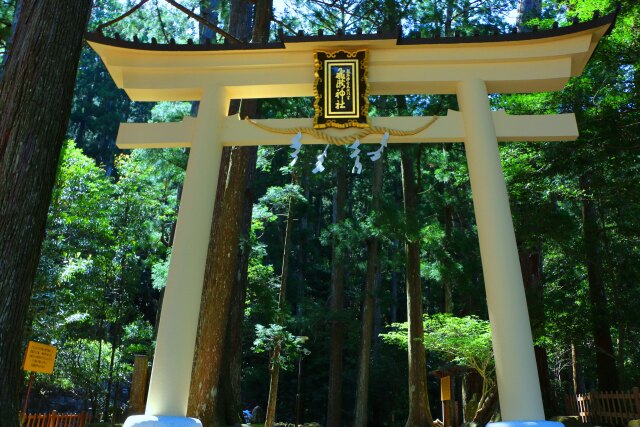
pixel 171 375
pixel 520 397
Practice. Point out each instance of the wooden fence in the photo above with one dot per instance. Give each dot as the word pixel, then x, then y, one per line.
pixel 55 419
pixel 614 408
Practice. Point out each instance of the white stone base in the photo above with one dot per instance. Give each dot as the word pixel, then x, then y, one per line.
pixel 515 423
pixel 161 421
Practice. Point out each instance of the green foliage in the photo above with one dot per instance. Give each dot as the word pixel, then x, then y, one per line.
pixel 7 7
pixel 272 336
pixel 278 198
pixel 104 235
pixel 465 341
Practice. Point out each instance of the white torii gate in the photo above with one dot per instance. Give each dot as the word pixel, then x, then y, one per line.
pixel 470 67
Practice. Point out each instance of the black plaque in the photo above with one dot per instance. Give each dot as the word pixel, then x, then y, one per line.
pixel 341 89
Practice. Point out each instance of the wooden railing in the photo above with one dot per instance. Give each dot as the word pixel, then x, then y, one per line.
pixel 608 408
pixel 55 419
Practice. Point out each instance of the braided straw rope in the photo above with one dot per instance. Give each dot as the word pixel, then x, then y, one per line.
pixel 347 139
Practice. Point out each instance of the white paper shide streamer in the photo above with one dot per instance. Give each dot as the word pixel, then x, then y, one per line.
pixel 357 166
pixel 375 155
pixel 296 144
pixel 321 157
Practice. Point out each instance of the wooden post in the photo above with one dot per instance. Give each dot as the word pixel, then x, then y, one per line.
pixel 636 399
pixel 53 416
pixel 26 397
pixel 445 397
pixel 138 384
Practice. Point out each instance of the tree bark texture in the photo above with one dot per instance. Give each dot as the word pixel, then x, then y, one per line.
pixel 219 278
pixel 231 403
pixel 262 20
pixel 35 102
pixel 368 307
pixel 600 323
pixel 274 379
pixel 240 19
pixel 215 379
pixel 578 384
pixel 334 399
pixel 419 412
pixel 209 11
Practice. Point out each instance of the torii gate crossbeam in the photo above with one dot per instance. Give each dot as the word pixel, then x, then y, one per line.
pixel 469 67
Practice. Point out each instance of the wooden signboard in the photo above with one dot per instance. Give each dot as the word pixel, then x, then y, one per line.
pixel 39 358
pixel 341 89
pixel 445 388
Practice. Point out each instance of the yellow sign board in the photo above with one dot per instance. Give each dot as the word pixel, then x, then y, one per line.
pixel 445 388
pixel 40 357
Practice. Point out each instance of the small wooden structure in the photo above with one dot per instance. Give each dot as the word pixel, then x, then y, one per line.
pixel 450 406
pixel 610 408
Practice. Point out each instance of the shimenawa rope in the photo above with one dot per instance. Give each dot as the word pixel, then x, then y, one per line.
pixel 343 140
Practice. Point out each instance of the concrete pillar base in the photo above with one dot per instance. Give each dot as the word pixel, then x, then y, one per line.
pixel 515 423
pixel 161 421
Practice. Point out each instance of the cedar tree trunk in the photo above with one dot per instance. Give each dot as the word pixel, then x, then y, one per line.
pixel 419 412
pixel 600 318
pixel 214 396
pixel 35 101
pixel 334 399
pixel 274 369
pixel 368 306
pixel 216 294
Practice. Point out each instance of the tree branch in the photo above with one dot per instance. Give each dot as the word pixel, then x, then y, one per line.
pixel 204 21
pixel 121 17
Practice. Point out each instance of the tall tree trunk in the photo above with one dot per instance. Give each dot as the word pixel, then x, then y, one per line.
pixel 368 306
pixel 109 381
pixel 531 268
pixel 214 396
pixel 419 412
pixel 209 11
pixel 620 321
pixel 274 379
pixel 334 400
pixel 600 323
pixel 274 369
pixel 575 371
pixel 35 101
pixel 240 19
pixel 230 406
pixel 527 9
pixel 94 398
pixel 219 278
pixel 262 20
